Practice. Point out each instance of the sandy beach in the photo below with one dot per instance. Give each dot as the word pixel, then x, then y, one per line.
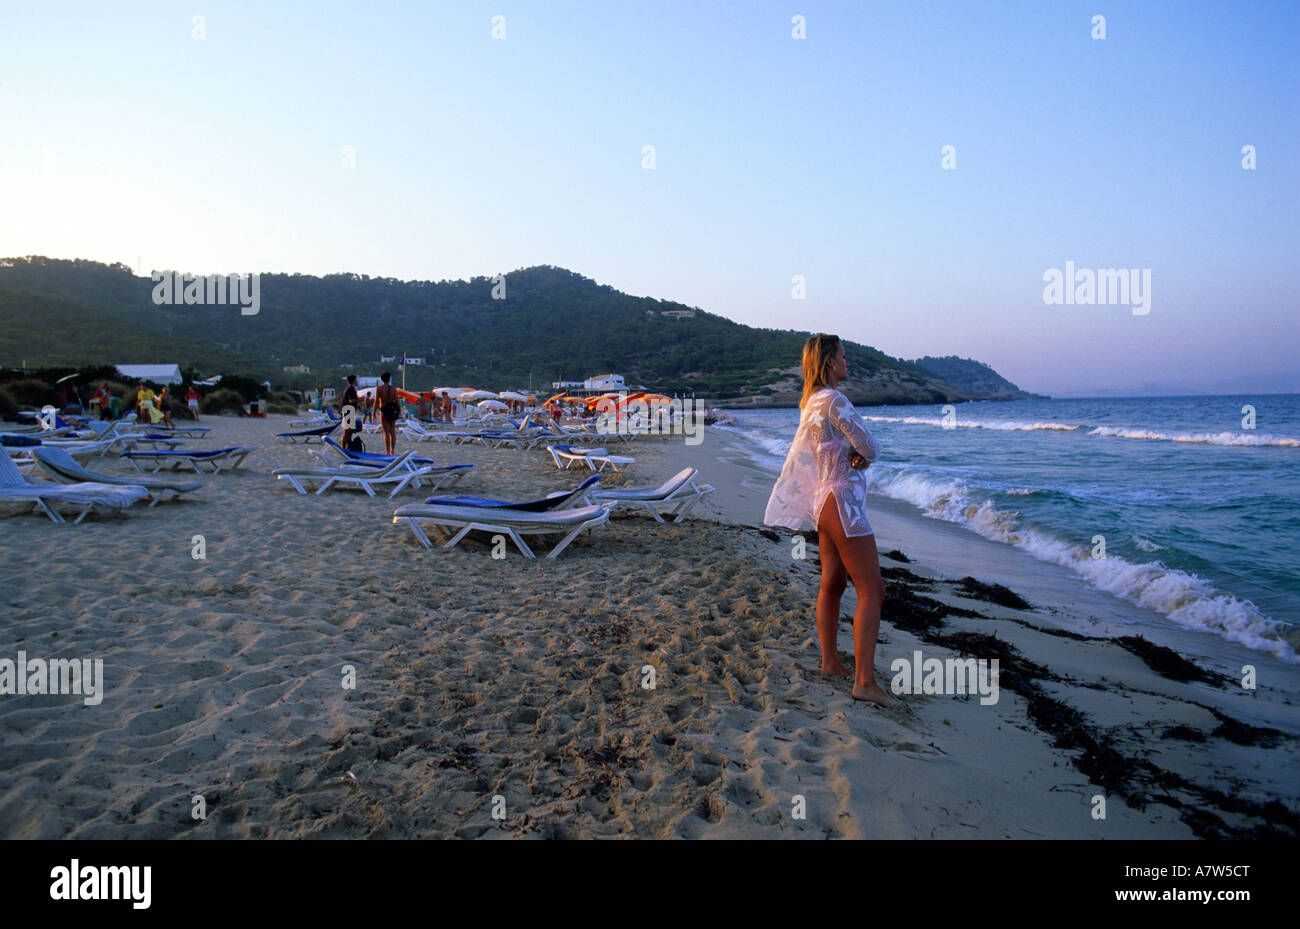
pixel 504 698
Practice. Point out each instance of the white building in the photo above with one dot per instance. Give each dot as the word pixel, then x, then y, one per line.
pixel 157 374
pixel 606 382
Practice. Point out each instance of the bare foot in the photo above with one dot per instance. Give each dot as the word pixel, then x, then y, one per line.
pixel 836 670
pixel 872 694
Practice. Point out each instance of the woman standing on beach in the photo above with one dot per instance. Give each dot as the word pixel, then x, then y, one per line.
pixel 389 411
pixel 821 486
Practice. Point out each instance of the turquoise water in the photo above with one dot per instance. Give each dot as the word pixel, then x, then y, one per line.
pixel 1200 517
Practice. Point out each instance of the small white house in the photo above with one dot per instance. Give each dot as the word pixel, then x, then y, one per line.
pixel 608 382
pixel 157 374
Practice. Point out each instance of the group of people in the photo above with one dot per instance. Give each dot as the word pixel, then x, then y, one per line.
pixel 149 407
pixel 384 403
pixel 440 408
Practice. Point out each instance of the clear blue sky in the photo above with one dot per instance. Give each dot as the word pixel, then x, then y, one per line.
pixel 127 139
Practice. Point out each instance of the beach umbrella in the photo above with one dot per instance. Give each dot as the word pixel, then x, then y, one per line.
pixel 492 405
pixel 470 396
pixel 511 395
pixel 449 391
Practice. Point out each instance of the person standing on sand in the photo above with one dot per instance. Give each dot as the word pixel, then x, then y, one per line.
pixel 389 411
pixel 144 405
pixel 192 401
pixel 821 486
pixel 165 406
pixel 349 416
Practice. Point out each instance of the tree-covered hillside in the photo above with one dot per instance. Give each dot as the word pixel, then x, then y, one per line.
pixel 551 325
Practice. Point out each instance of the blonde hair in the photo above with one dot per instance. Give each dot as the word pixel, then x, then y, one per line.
pixel 818 353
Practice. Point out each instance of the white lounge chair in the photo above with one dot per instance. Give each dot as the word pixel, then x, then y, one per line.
pixel 416 432
pixel 566 456
pixel 676 496
pixel 61 467
pixel 499 520
pixel 367 478
pixel 13 487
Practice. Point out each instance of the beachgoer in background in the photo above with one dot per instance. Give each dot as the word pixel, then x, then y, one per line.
pixel 104 398
pixel 144 405
pixel 822 486
pixel 390 409
pixel 350 416
pixel 165 407
pixel 192 401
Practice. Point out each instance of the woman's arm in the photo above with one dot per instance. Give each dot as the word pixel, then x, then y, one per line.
pixel 849 424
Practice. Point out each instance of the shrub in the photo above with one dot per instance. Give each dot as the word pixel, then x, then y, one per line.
pixel 289 409
pixel 222 401
pixel 31 392
pixel 8 403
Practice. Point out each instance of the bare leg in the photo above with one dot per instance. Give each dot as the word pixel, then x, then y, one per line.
pixel 862 562
pixel 834 580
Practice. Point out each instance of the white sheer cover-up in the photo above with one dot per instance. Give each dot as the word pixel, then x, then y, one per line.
pixel 829 432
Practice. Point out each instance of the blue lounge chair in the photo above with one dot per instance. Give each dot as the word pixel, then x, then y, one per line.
pixel 217 458
pixel 62 468
pixel 319 432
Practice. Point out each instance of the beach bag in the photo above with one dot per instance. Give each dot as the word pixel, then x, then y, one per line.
pixel 356 445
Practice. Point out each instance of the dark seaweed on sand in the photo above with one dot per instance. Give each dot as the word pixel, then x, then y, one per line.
pixel 1136 780
pixel 1184 733
pixel 902 574
pixel 1243 733
pixel 906 609
pixel 992 593
pixel 898 556
pixel 1168 663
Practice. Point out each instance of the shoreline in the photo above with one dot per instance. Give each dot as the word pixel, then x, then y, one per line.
pixel 478 678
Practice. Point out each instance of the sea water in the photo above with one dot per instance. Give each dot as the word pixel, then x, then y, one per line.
pixel 1197 515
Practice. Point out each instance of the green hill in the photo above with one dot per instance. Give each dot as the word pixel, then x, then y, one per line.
pixel 552 325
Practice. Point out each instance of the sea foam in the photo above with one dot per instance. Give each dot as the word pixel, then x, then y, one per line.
pixel 1188 600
